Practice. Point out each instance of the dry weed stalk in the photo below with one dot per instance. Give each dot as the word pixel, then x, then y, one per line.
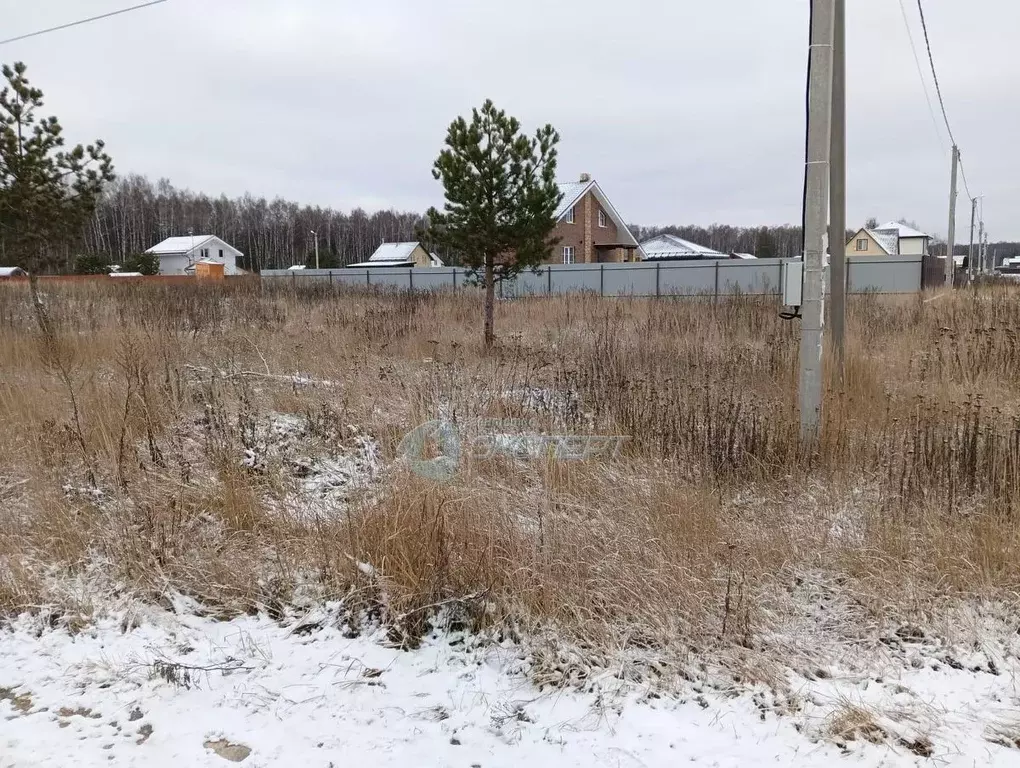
pixel 692 537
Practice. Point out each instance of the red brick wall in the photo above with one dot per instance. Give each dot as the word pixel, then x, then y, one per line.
pixel 602 235
pixel 585 233
pixel 570 234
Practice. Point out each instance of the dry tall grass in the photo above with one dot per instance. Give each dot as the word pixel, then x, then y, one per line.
pixel 126 413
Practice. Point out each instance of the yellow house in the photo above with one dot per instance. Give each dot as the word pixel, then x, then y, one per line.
pixel 892 239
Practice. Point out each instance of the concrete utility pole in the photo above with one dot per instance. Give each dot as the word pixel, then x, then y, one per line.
pixel 837 185
pixel 316 234
pixel 951 244
pixel 981 244
pixel 816 207
pixel 970 250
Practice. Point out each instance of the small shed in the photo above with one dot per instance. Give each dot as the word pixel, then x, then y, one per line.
pixel 12 272
pixel 207 269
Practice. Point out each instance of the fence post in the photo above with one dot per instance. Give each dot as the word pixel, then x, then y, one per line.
pixel 715 297
pixel 331 277
pixel 455 278
pixel 657 265
pixel 602 279
pixel 410 279
pixel 846 277
pixel 548 289
pixel 368 276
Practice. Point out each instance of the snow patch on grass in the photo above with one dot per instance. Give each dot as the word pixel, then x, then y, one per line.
pixel 179 689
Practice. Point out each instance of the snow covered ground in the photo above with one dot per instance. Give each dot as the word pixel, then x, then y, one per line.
pixel 153 688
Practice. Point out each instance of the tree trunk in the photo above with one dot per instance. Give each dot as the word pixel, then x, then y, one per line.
pixel 490 302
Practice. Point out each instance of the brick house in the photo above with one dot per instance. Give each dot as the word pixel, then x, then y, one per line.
pixel 590 230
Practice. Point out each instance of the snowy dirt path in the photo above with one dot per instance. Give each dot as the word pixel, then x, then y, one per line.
pixel 257 694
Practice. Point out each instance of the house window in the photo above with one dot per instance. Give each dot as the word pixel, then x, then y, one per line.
pixel 570 216
pixel 862 244
pixel 221 253
pixel 568 254
pixel 602 219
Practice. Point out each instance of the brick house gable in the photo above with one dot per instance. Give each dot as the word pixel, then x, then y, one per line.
pixel 591 243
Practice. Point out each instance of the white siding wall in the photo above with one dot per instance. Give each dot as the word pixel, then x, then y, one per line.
pixel 229 257
pixel 912 246
pixel 173 264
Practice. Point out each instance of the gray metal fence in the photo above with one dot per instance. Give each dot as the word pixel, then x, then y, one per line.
pixel 722 277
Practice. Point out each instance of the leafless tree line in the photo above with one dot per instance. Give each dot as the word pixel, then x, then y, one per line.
pixel 135 214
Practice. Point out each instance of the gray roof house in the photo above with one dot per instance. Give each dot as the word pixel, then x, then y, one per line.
pixel 673 248
pixel 400 255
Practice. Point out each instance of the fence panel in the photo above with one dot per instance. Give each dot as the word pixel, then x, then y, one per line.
pixel 758 277
pixel 723 277
pixel 631 279
pixel 883 274
pixel 687 278
pixel 390 277
pixel 435 279
pixel 933 272
pixel 575 278
pixel 526 283
pixel 350 277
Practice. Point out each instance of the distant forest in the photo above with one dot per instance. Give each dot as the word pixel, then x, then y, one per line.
pixel 136 213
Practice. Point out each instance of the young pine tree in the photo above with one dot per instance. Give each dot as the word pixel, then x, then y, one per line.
pixel 146 263
pixel 501 199
pixel 766 246
pixel 47 194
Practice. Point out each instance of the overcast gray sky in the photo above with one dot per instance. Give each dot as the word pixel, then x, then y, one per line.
pixel 687 111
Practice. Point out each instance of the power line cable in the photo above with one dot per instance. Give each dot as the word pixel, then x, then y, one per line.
pixel 82 21
pixel 963 175
pixel 938 91
pixel 920 73
pixel 935 77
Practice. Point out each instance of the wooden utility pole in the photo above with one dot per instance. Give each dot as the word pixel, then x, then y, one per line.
pixel 951 244
pixel 837 186
pixel 816 208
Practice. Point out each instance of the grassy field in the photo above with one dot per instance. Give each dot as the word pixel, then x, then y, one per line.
pixel 237 445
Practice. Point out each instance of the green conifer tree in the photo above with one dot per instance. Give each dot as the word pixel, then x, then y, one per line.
pixel 47 193
pixel 501 199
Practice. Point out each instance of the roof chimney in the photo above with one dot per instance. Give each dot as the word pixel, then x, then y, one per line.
pixel 585 178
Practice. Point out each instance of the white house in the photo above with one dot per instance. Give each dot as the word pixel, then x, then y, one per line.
pixel 178 255
pixel 400 255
